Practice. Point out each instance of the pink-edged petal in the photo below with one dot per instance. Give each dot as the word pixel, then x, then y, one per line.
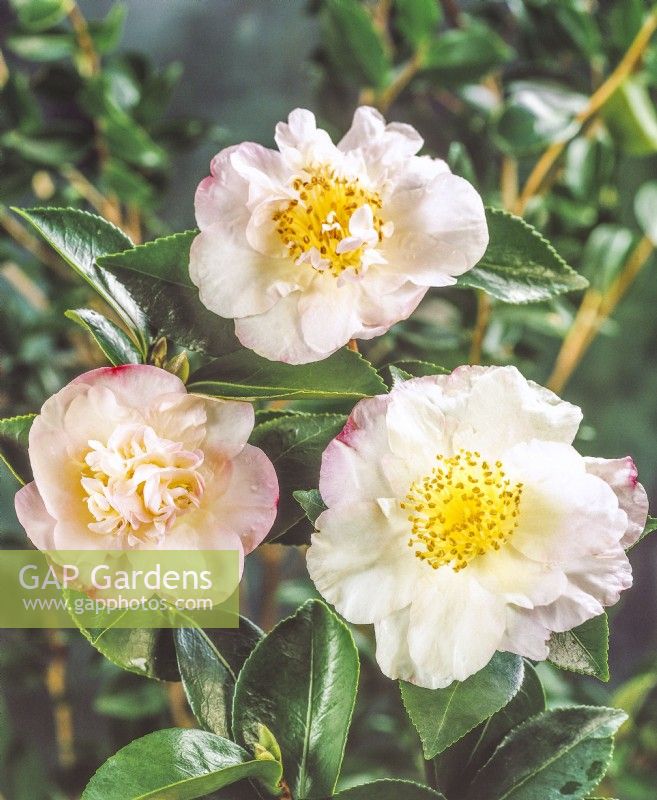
pixel 132 383
pixel 456 625
pixel 247 506
pixel 359 561
pixel 440 230
pixel 33 516
pixel 223 195
pixel 228 426
pixel 622 475
pixel 234 280
pixel 353 464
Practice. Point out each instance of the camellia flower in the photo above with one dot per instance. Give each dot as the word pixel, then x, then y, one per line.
pixel 125 458
pixel 461 521
pixel 315 244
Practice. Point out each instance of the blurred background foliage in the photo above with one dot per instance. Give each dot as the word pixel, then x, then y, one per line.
pixel 548 106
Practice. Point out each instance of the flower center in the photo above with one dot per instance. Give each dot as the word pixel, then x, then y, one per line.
pixel 139 483
pixel 332 222
pixel 464 508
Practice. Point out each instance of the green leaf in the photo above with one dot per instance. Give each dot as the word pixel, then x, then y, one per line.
pixel 301 683
pixel 354 45
pixel 51 149
pixel 464 55
pixel 107 32
pixel 631 118
pixel 584 649
pixel 80 238
pixel 37 15
pixel 387 789
pixel 248 376
pixel 166 258
pixel 605 252
pixel 558 754
pixel 176 764
pixel 443 716
pixel 417 20
pixel 311 502
pixel 645 203
pixel 208 665
pixel 295 445
pixel 42 46
pixel 115 344
pixel 14 440
pixel 519 265
pixel 414 368
pixel 455 767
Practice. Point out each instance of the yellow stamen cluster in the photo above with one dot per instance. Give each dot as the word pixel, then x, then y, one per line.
pixel 464 508
pixel 318 217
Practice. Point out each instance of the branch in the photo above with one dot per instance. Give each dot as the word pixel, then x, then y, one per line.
pixel 625 67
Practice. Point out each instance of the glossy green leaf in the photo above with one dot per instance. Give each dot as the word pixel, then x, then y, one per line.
pixel 417 20
pixel 14 440
pixel 519 265
pixel 389 790
pixel 414 368
pixel 645 209
pixel 295 445
pixel 301 683
pixel 558 754
pixel 311 502
pixel 176 764
pixel 166 258
pixel 442 716
pixel 115 344
pixel 208 663
pixel 584 649
pixel 248 376
pixel 80 238
pixel 465 54
pixel 631 118
pixel 455 767
pixel 353 43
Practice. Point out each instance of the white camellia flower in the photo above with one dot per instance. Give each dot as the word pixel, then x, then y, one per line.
pixel 124 458
pixel 315 244
pixel 461 521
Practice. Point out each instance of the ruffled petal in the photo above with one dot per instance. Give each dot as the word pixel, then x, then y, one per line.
pixel 359 561
pixel 233 279
pixel 622 475
pixel 440 230
pixel 301 142
pixel 456 625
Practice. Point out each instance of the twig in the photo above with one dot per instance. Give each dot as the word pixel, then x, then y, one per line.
pixel 4 71
pixel 509 182
pixel 271 560
pixel 56 684
pixel 595 309
pixel 452 12
pixel 387 97
pixel 86 189
pixel 484 307
pixel 90 62
pixel 178 708
pixel 625 67
pixel 352 345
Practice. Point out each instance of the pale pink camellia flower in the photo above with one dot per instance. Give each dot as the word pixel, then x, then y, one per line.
pixel 315 244
pixel 462 521
pixel 124 458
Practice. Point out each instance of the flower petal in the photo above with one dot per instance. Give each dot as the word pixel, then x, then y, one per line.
pixel 621 474
pixel 33 516
pixel 359 561
pixel 228 427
